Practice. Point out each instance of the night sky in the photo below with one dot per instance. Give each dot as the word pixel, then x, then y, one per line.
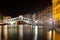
pixel 16 7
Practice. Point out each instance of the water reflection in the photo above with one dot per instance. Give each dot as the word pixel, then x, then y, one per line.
pixel 5 32
pixel 22 32
pixel 0 32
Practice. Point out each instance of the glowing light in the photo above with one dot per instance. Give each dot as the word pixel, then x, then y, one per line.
pixel 36 32
pixel 55 16
pixel 11 22
pixel 59 18
pixel 36 21
pixel 56 9
pixel 50 19
pixel 50 36
pixel 50 22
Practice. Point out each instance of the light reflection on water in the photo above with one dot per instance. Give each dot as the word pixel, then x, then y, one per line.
pixel 0 32
pixel 36 33
pixel 50 35
pixel 11 34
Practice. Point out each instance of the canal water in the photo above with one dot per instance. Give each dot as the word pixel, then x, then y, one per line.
pixel 22 32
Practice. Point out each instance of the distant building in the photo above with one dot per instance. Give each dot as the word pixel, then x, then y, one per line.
pixel 28 15
pixel 56 11
pixel 5 18
pixel 44 15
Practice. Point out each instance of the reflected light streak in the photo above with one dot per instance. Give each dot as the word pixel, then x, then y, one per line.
pixel 50 36
pixel 36 32
pixel 20 32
